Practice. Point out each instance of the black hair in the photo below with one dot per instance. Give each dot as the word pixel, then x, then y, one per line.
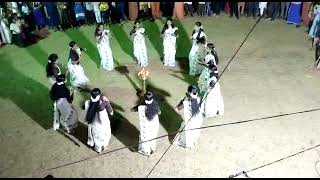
pixel 72 43
pixel 212 84
pixel 97 30
pixel 165 27
pixel 199 32
pixel 153 108
pixel 213 70
pixel 49 69
pixel 133 30
pixel 93 106
pixel 201 40
pixel 213 52
pixel 195 106
pixel 61 78
pixel 60 91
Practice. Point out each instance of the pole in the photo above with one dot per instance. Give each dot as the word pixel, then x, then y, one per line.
pixel 144 86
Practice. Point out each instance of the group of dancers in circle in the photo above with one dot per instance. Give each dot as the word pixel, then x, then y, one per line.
pixel 201 101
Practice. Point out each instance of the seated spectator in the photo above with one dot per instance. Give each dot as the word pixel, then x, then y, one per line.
pixel 15 28
pixel 28 36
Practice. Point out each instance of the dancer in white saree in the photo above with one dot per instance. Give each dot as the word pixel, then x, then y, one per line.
pixel 197 33
pixel 52 69
pixel 99 130
pixel 139 44
pixel 64 113
pixel 103 43
pixel 213 103
pixel 169 33
pixel 210 59
pixel 149 113
pixel 77 77
pixel 192 118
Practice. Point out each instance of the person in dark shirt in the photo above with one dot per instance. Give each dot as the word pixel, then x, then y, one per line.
pixel 64 113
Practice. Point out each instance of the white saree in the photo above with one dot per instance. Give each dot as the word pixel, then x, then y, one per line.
pixel 105 51
pixel 99 131
pixel 190 135
pixel 169 47
pixel 148 130
pixel 139 47
pixel 214 102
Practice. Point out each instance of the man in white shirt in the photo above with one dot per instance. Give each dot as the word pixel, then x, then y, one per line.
pixel 97 12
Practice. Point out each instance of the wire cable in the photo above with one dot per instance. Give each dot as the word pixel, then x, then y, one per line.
pixel 268 164
pixel 205 96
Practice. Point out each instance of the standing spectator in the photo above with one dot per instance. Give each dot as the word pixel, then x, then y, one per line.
pixel 273 8
pixel 97 12
pixel 234 9
pixel 145 11
pixel 252 9
pixel 122 12
pixel 65 17
pixel 294 16
pixel 215 7
pixel 51 12
pixel 208 9
pixel 262 8
pixel 26 13
pixel 284 9
pixel 314 31
pixel 38 16
pixel 4 30
pixel 201 8
pixel 71 13
pixel 241 6
pixel 15 28
pixel 79 12
pixel 13 6
pixel 311 15
pixel 114 9
pixel 133 10
pixel 188 8
pixel 167 9
pixel 89 12
pixel 155 10
pixel 105 12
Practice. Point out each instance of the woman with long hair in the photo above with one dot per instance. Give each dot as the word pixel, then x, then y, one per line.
pixel 213 104
pixel 192 119
pixel 64 113
pixel 198 36
pixel 149 112
pixel 103 43
pixel 211 58
pixel 52 69
pixel 98 109
pixel 139 44
pixel 169 33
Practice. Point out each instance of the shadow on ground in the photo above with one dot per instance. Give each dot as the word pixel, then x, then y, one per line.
pixel 123 39
pixel 29 95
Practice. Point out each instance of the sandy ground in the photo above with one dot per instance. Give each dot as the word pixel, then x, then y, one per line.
pixel 272 74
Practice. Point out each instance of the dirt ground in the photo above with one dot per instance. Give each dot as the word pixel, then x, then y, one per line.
pixel 271 75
